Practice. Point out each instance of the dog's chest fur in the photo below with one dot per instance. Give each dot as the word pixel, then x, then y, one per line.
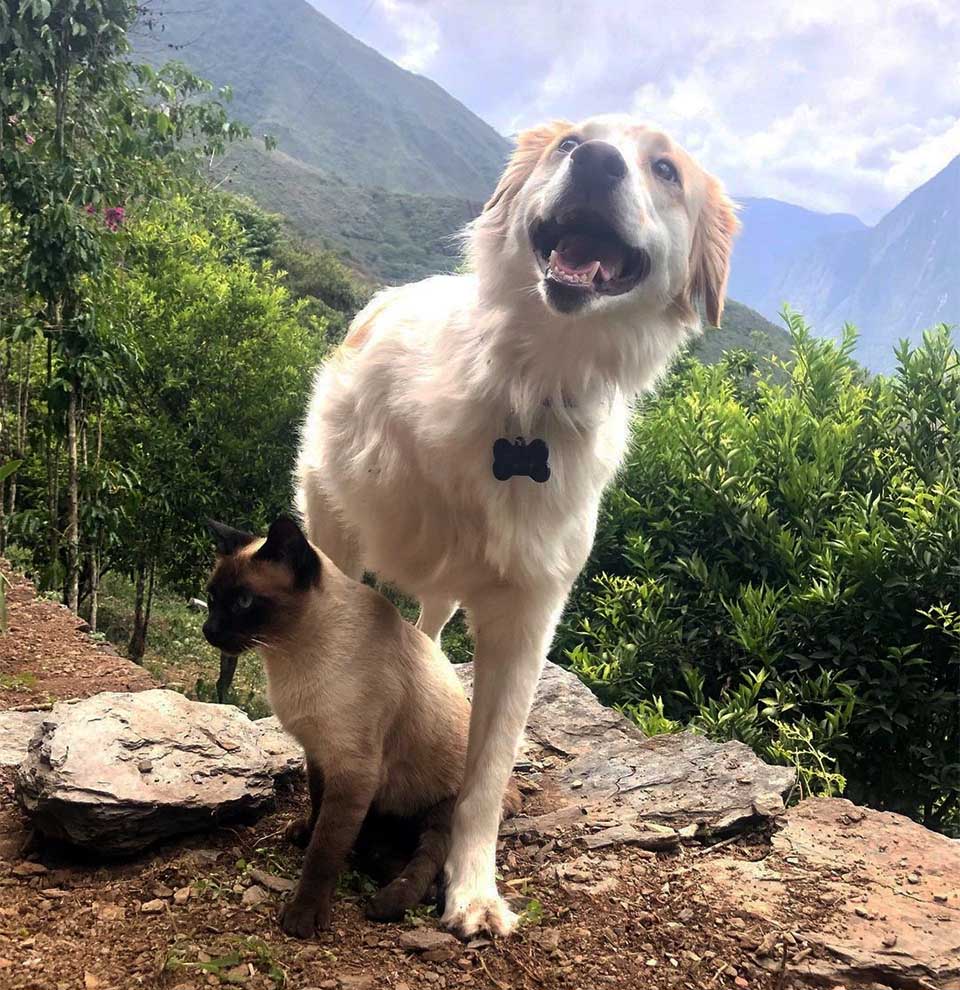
pixel 400 432
pixel 431 512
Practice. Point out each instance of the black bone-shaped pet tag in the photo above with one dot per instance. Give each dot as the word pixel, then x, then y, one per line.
pixel 521 459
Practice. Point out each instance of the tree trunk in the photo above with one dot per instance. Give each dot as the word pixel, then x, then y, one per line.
pixel 6 446
pixel 149 610
pixel 94 584
pixel 98 539
pixel 23 418
pixel 138 639
pixel 73 504
pixel 53 549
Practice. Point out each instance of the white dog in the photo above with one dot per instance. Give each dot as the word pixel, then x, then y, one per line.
pixel 586 266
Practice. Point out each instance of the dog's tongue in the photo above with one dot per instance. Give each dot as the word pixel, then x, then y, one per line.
pixel 578 257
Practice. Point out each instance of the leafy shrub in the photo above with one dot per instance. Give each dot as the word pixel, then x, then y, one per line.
pixel 780 563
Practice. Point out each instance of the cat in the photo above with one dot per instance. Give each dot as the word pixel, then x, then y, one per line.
pixel 376 706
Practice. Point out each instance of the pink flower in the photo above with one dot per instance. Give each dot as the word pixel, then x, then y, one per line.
pixel 91 209
pixel 29 138
pixel 113 216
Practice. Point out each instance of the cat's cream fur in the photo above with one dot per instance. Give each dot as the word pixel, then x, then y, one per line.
pixel 380 713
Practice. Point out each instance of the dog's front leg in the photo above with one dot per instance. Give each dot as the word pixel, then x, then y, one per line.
pixel 512 636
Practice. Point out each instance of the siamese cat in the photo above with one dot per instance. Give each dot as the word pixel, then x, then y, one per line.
pixel 374 703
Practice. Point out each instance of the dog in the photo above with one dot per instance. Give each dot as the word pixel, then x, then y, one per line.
pixel 586 270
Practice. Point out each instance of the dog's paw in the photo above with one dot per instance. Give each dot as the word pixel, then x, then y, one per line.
pixel 298 832
pixel 489 915
pixel 303 919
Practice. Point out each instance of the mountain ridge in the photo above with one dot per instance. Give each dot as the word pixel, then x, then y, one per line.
pixel 892 280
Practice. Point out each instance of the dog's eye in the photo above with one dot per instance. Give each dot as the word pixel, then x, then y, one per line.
pixel 567 145
pixel 666 170
pixel 243 601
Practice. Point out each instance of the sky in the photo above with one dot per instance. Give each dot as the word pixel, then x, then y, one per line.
pixel 836 106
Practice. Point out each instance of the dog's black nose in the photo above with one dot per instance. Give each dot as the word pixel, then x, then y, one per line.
pixel 597 165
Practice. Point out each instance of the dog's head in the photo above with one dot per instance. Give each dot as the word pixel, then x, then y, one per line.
pixel 609 214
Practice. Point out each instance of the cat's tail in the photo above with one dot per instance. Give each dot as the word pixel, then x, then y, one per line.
pixel 407 890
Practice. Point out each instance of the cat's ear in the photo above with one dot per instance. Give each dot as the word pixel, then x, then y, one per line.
pixel 286 544
pixel 228 540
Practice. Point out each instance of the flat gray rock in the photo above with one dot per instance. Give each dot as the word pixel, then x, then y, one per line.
pixel 886 890
pixel 118 772
pixel 16 731
pixel 603 772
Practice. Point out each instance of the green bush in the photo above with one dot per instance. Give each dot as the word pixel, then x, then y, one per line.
pixel 780 563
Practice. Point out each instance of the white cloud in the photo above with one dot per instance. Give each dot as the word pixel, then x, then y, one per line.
pixel 417 31
pixel 834 106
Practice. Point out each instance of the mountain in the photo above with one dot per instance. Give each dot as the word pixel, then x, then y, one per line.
pixel 743 328
pixel 773 233
pixel 374 160
pixel 892 280
pixel 391 236
pixel 329 100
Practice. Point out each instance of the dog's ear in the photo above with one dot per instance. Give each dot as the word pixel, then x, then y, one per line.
pixel 227 539
pixel 286 544
pixel 530 147
pixel 710 252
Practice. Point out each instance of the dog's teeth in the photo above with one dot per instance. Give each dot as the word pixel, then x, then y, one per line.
pixel 573 274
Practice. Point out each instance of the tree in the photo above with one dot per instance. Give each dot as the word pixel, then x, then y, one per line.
pixel 82 133
pixel 214 395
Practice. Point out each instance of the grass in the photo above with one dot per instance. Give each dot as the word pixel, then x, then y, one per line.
pixel 18 682
pixel 177 655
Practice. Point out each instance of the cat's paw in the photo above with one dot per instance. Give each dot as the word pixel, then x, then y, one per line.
pixel 488 914
pixel 392 902
pixel 303 919
pixel 298 832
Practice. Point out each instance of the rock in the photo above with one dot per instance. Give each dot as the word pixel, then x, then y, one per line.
pixel 16 731
pixel 615 775
pixel 621 835
pixel 182 895
pixel 153 907
pixel 28 869
pixel 874 931
pixel 359 982
pixel 272 882
pixel 253 896
pixel 440 946
pixel 82 780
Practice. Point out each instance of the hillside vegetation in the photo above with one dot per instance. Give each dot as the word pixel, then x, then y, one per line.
pixel 779 562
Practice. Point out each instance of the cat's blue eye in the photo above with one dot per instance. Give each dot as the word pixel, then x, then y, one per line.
pixel 243 600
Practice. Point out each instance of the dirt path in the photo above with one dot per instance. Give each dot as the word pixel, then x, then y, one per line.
pixel 46 657
pixel 193 914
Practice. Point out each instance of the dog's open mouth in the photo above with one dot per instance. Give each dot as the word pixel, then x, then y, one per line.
pixel 584 253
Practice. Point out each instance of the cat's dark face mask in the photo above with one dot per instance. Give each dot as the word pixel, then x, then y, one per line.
pixel 249 593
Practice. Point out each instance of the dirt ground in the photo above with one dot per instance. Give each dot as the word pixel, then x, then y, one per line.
pixel 201 912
